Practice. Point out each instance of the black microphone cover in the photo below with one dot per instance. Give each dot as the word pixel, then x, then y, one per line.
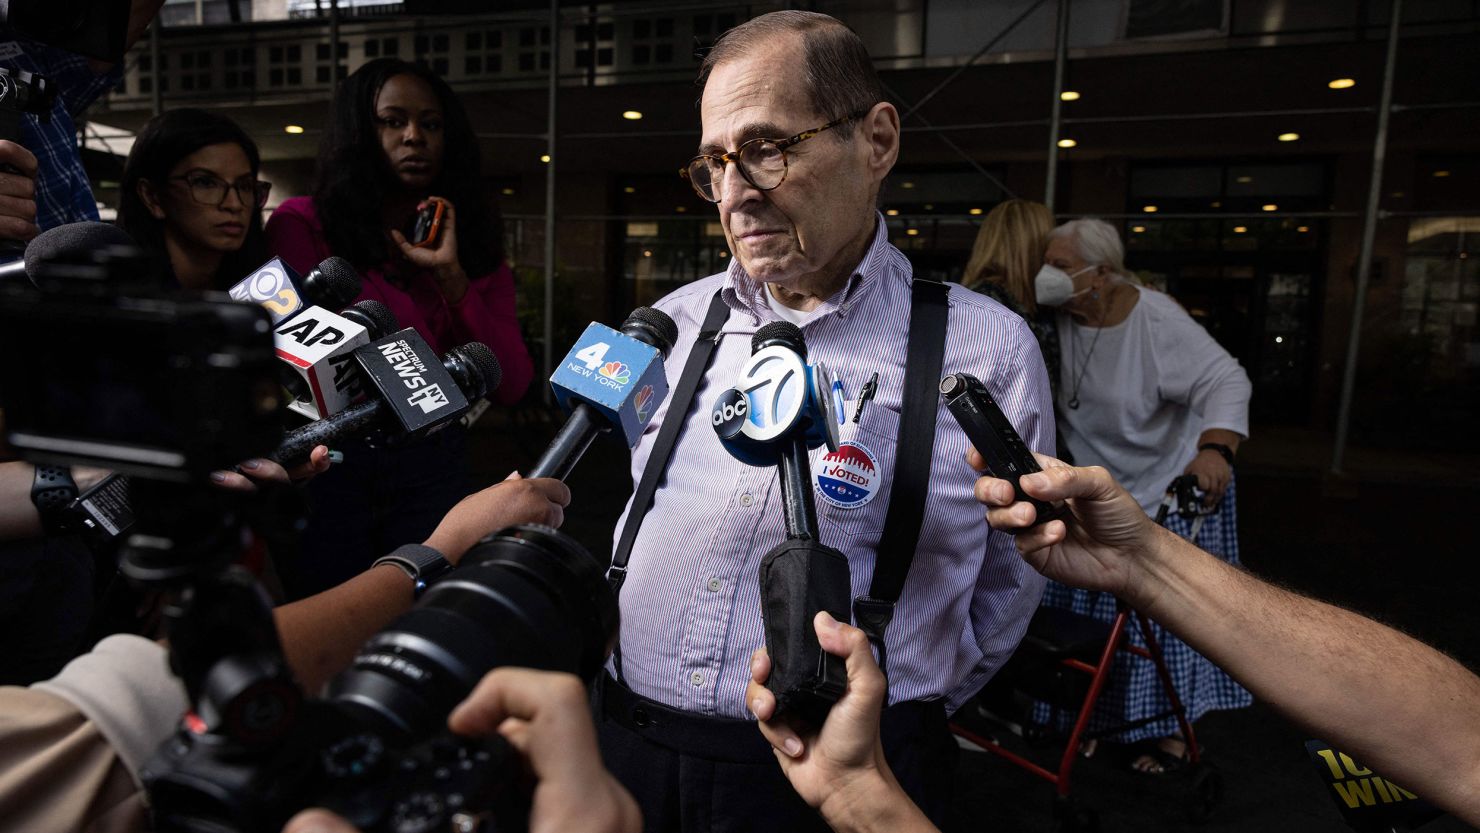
pixel 373 316
pixel 784 333
pixel 73 240
pixel 484 364
pixel 332 284
pixel 657 324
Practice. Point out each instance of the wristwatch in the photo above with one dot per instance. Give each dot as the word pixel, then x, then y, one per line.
pixel 422 564
pixel 1223 450
pixel 53 491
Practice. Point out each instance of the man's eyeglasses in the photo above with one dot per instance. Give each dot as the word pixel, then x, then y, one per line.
pixel 210 190
pixel 761 161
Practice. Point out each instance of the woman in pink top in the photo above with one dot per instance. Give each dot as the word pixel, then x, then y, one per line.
pixel 398 137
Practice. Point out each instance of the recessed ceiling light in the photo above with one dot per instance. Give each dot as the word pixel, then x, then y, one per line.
pixel 1269 207
pixel 647 252
pixel 1441 173
pixel 1398 195
pixel 929 206
pixel 293 128
pixel 544 157
pixel 1069 95
pixel 508 192
pixel 724 254
pixel 1216 204
pixel 1240 229
pixel 1288 137
pixel 1342 83
pixel 681 208
pixel 975 211
pixel 629 190
pixel 1138 229
pixel 893 212
pixel 1149 209
pixel 1279 339
pixel 1303 229
pixel 912 231
pixel 631 115
pixel 1244 180
pixel 906 185
pixel 1067 143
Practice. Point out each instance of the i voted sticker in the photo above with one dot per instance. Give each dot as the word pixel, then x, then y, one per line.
pixel 849 477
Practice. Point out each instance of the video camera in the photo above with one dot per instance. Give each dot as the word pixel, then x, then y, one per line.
pixel 106 370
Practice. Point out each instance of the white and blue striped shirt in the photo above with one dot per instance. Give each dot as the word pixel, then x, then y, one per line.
pixel 691 611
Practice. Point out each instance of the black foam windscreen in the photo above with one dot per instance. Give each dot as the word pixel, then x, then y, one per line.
pixel 780 332
pixel 376 314
pixel 332 284
pixel 72 241
pixel 656 322
pixel 477 354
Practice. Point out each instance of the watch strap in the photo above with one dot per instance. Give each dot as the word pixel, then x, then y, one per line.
pixel 422 564
pixel 1223 450
pixel 53 491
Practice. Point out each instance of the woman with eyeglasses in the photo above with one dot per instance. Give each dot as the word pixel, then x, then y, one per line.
pixel 191 197
pixel 397 140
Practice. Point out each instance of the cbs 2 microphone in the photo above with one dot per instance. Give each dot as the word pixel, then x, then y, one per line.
pixel 609 379
pixel 781 407
pixel 412 393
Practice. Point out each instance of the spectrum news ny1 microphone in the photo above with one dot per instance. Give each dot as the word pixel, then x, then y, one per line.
pixel 412 392
pixel 608 379
pixel 66 242
pixel 781 407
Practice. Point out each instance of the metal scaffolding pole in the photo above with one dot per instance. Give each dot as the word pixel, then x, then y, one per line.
pixel 333 43
pixel 549 333
pixel 156 88
pixel 1060 57
pixel 1369 235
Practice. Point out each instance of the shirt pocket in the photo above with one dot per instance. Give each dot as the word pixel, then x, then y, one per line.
pixel 852 486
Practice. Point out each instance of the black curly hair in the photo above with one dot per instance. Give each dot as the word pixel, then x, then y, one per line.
pixel 354 179
pixel 160 145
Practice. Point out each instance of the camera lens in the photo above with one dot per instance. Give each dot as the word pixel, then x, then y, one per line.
pixel 529 596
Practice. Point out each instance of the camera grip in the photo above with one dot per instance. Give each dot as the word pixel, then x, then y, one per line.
pixel 799 578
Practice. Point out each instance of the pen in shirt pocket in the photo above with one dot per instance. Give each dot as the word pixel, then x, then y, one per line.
pixel 839 401
pixel 869 389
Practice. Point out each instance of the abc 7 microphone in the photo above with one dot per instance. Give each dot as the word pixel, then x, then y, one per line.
pixel 609 379
pixel 412 393
pixel 780 408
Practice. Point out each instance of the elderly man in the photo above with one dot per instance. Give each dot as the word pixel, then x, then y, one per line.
pixel 797 140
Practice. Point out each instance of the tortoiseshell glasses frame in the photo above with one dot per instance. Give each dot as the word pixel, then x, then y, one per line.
pixel 761 161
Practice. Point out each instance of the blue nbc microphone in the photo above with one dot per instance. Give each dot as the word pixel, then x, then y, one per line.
pixel 609 379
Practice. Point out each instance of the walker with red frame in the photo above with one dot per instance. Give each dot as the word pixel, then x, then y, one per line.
pixel 1046 636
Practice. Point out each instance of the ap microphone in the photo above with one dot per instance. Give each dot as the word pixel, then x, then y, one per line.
pixel 68 242
pixel 317 349
pixel 472 371
pixel 609 379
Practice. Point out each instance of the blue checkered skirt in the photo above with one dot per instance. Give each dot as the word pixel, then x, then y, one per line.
pixel 1134 690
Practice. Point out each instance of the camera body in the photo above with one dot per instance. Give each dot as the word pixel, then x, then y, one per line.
pixel 106 370
pixel 375 749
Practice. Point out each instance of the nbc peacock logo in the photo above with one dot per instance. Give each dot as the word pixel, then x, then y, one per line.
pixel 616 371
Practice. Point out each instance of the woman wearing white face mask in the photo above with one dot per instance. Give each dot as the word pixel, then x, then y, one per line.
pixel 1148 394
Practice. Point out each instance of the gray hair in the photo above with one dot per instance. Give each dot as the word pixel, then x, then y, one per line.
pixel 1096 241
pixel 836 70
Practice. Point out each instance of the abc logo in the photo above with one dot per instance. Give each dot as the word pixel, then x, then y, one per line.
pixel 729 413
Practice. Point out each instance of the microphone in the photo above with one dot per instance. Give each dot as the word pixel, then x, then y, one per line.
pixel 332 285
pixel 780 408
pixel 317 349
pixel 609 379
pixel 471 371
pixel 67 242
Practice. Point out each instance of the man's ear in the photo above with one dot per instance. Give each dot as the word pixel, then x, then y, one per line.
pixel 880 131
pixel 150 198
